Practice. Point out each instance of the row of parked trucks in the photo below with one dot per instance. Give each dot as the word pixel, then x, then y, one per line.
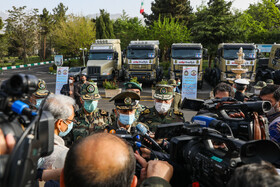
pixel 107 61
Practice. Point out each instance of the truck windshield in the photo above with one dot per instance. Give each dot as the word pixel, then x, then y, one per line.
pixel 187 53
pixel 71 70
pixel 141 53
pixel 232 53
pixel 101 56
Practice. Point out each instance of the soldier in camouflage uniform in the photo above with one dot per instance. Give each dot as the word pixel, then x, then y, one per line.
pixel 126 106
pixel 39 95
pixel 133 87
pixel 161 113
pixel 89 118
pixel 177 101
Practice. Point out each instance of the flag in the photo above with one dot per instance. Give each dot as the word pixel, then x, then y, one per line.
pixel 142 7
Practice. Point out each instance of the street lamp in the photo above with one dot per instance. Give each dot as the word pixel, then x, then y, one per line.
pixel 83 49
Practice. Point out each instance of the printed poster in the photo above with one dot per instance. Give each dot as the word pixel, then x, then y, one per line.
pixel 58 60
pixel 61 78
pixel 189 82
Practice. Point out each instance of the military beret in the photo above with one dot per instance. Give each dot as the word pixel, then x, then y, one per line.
pixel 89 91
pixel 132 85
pixel 163 92
pixel 126 100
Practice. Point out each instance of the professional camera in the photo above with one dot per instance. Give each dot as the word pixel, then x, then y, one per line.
pixel 210 157
pixel 242 127
pixel 33 131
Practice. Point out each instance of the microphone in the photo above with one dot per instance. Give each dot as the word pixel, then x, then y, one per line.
pixel 144 131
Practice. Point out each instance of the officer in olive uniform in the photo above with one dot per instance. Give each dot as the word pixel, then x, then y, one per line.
pixel 133 87
pixel 89 118
pixel 126 106
pixel 177 101
pixel 161 113
pixel 38 96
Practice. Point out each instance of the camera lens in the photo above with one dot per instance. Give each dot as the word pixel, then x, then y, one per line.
pixel 266 106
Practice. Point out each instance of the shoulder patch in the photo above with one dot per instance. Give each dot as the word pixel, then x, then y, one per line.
pixel 147 111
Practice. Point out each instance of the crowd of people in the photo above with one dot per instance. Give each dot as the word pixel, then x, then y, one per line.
pixel 88 153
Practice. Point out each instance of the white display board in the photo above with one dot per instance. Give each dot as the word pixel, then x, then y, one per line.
pixel 189 82
pixel 61 78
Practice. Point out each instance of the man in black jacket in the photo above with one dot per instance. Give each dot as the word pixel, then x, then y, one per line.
pixel 70 89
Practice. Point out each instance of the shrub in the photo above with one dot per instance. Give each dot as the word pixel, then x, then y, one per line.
pixel 110 84
pixel 134 79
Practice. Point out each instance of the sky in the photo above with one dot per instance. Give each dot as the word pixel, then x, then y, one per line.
pixel 86 7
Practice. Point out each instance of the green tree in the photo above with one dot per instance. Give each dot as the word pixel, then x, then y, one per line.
pixel 127 29
pixel 104 26
pixel 45 22
pixel 168 31
pixel 72 34
pixel 22 29
pixel 213 25
pixel 59 13
pixel 178 9
pixel 1 23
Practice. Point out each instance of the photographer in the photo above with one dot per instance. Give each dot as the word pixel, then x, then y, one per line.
pixel 272 93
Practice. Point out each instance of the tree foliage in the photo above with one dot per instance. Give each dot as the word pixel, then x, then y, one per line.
pixel 127 29
pixel 1 23
pixel 167 32
pixel 181 10
pixel 45 23
pixel 22 29
pixel 213 24
pixel 73 34
pixel 104 26
pixel 59 13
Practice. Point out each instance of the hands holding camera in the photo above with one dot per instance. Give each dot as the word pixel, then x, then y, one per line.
pixel 6 143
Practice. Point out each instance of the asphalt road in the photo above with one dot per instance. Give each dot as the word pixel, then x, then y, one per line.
pixel 41 72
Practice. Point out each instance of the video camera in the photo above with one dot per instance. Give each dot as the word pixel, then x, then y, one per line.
pixel 209 157
pixel 219 109
pixel 33 131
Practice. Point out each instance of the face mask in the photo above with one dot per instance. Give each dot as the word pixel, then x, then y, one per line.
pixel 69 128
pixel 174 89
pixel 38 102
pixel 70 81
pixel 179 83
pixel 234 90
pixel 90 106
pixel 273 110
pixel 137 101
pixel 127 119
pixel 162 107
pixel 257 92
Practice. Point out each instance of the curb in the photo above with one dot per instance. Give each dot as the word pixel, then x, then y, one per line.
pixel 30 65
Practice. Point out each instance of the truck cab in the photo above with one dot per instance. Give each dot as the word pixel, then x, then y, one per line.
pixel 225 61
pixel 187 54
pixel 104 60
pixel 142 61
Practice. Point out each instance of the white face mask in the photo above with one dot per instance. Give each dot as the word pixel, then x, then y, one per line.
pixel 162 107
pixel 70 81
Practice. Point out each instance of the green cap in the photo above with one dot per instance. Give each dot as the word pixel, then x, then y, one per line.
pixel 132 85
pixel 41 89
pixel 172 82
pixel 269 82
pixel 126 100
pixel 260 85
pixel 89 91
pixel 163 92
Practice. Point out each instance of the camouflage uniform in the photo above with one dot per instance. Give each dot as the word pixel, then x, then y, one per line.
pixel 88 123
pixel 152 118
pixel 177 101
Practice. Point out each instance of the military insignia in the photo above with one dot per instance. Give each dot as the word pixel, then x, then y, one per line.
pixel 163 90
pixel 127 101
pixel 149 121
pixel 103 112
pixel 129 85
pixel 147 111
pixel 90 88
pixel 41 86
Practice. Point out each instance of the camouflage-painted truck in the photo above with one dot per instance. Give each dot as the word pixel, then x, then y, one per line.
pixel 187 54
pixel 142 61
pixel 104 60
pixel 225 61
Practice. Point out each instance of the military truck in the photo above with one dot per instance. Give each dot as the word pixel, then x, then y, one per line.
pixel 270 70
pixel 225 61
pixel 142 61
pixel 104 60
pixel 186 54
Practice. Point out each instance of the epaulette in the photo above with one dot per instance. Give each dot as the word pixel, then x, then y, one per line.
pixel 103 112
pixel 178 113
pixel 147 111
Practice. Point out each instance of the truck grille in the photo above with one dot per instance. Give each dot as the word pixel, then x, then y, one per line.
pixel 93 70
